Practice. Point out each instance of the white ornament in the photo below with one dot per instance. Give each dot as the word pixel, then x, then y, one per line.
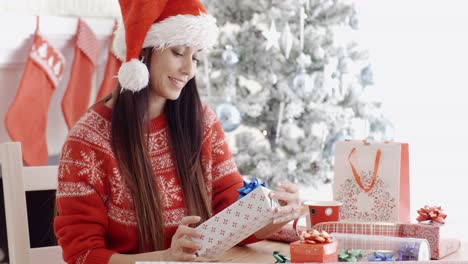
pixel 286 40
pixel 273 78
pixel 272 37
pixel 302 84
pixel 229 56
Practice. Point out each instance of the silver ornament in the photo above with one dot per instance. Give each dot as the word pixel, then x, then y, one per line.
pixel 230 57
pixel 273 78
pixel 286 40
pixel 229 116
pixel 302 83
pixel 354 21
pixel 367 76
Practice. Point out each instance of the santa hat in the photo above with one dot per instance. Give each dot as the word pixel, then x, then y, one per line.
pixel 159 24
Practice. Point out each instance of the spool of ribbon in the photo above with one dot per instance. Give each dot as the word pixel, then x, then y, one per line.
pixel 381 256
pixel 349 255
pixel 314 236
pixel 249 187
pixel 431 214
pixel 280 258
pixel 407 252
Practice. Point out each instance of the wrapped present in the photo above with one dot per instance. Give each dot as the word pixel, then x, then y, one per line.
pixel 379 248
pixel 440 244
pixel 314 246
pixel 361 228
pixel 236 222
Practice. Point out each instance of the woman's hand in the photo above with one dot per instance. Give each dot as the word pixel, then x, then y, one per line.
pixel 288 196
pixel 183 248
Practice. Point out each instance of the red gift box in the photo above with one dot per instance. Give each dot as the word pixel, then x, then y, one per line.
pixel 320 252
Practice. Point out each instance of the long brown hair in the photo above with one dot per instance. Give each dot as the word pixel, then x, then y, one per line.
pixel 130 132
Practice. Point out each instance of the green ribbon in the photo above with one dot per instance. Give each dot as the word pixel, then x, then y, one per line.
pixel 349 255
pixel 280 258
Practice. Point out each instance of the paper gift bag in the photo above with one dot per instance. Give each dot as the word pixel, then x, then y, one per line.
pixel 372 181
pixel 236 222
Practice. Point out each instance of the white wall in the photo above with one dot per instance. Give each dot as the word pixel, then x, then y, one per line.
pixel 420 54
pixel 15 43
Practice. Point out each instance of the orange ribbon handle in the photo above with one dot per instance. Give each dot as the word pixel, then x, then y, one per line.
pixel 357 177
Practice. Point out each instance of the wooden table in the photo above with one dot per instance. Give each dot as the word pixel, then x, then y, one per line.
pixel 261 252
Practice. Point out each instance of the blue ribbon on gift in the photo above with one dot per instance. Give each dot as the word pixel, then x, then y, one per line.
pixel 380 256
pixel 249 187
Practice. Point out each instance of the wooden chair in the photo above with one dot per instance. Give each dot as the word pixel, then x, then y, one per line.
pixel 17 180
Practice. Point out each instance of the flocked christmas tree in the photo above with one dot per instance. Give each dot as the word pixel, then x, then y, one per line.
pixel 288 71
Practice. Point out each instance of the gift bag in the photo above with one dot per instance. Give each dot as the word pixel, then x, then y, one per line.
pixel 372 181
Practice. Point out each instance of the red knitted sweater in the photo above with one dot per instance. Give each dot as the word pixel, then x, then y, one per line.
pixel 96 216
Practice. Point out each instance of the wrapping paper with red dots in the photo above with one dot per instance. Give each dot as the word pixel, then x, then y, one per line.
pixel 236 222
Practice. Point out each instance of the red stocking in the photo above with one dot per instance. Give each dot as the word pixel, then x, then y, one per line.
pixel 26 119
pixel 110 75
pixel 75 102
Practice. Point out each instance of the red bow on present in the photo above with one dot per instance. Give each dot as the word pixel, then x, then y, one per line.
pixel 314 236
pixel 431 213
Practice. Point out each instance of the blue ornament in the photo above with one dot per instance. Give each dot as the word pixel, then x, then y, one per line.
pixel 367 76
pixel 229 116
pixel 354 21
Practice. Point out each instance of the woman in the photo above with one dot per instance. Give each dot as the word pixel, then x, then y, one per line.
pixel 144 166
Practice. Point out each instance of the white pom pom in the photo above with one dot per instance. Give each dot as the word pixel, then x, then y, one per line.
pixel 133 75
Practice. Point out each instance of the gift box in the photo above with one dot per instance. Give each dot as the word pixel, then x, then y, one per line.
pixel 361 228
pixel 236 222
pixel 440 244
pixel 305 252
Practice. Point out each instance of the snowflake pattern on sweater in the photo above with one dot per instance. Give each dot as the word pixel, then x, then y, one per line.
pixel 96 214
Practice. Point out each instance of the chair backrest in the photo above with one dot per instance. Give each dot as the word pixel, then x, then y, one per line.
pixel 17 180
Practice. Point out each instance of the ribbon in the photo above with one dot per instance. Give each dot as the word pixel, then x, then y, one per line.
pixel 349 255
pixel 407 252
pixel 280 258
pixel 381 256
pixel 431 214
pixel 249 187
pixel 315 237
pixel 356 175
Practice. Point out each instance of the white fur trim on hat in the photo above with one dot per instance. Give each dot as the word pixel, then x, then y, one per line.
pixel 133 75
pixel 198 32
